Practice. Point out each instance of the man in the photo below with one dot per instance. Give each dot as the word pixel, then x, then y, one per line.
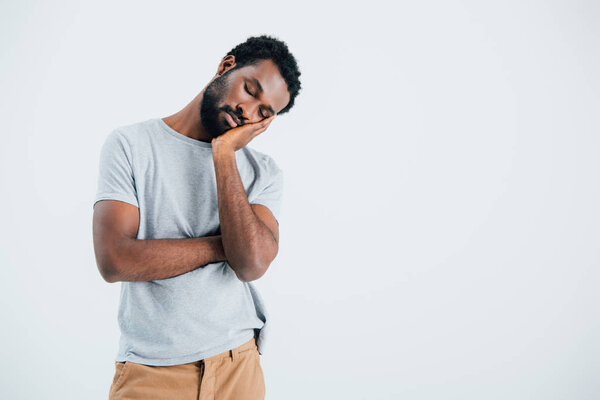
pixel 186 217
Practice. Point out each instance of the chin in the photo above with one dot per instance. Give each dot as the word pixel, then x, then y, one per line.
pixel 222 130
pixel 214 130
pixel 223 127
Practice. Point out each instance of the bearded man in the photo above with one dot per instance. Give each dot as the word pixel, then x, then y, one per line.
pixel 185 217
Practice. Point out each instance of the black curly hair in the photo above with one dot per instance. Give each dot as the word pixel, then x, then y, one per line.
pixel 264 47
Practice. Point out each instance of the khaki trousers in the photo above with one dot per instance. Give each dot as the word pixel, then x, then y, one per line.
pixel 235 374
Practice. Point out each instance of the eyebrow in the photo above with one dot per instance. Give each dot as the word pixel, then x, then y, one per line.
pixel 260 90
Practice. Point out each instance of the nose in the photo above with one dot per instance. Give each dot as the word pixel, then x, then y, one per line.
pixel 248 112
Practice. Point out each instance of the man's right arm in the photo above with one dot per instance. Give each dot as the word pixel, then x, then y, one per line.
pixel 122 257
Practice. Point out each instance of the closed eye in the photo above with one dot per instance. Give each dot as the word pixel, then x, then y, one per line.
pixel 248 90
pixel 262 113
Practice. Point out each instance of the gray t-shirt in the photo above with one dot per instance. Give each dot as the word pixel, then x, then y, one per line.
pixel 171 179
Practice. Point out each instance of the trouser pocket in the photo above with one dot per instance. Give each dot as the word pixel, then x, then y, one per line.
pixel 120 370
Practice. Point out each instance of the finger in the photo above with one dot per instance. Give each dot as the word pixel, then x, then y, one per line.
pixel 258 132
pixel 267 121
pixel 261 125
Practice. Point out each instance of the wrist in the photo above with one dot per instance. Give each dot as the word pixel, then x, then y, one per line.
pixel 223 151
pixel 216 244
pixel 220 148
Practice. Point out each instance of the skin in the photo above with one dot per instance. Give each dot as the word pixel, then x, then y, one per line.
pixel 249 232
pixel 274 95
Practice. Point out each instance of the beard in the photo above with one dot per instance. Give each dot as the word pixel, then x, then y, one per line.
pixel 209 107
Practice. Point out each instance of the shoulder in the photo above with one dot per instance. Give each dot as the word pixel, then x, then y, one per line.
pixel 263 161
pixel 130 134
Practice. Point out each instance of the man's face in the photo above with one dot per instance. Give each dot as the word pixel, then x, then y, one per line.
pixel 243 95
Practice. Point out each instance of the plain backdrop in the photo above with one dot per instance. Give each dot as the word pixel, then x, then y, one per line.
pixel 440 224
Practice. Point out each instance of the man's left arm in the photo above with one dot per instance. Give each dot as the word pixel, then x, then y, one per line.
pixel 249 232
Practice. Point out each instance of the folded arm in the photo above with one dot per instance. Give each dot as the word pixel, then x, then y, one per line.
pixel 122 257
pixel 249 232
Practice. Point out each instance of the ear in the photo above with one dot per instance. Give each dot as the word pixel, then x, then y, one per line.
pixel 226 64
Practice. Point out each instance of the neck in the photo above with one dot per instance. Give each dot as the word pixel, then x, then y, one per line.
pixel 187 120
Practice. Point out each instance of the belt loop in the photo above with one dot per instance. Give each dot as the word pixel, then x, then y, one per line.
pixel 231 353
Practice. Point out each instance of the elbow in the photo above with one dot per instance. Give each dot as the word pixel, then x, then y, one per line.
pixel 108 273
pixel 251 271
pixel 255 263
pixel 110 261
pixel 249 276
pixel 110 278
pixel 107 266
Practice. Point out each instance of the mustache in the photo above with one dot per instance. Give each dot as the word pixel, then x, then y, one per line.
pixel 230 110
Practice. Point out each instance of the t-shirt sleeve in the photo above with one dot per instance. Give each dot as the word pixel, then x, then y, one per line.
pixel 116 180
pixel 271 194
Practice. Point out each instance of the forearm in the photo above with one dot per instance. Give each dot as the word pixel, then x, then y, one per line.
pixel 247 241
pixel 146 260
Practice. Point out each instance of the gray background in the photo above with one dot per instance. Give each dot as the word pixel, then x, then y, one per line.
pixel 439 232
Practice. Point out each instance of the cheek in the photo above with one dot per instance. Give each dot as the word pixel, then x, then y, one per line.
pixel 238 95
pixel 230 98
